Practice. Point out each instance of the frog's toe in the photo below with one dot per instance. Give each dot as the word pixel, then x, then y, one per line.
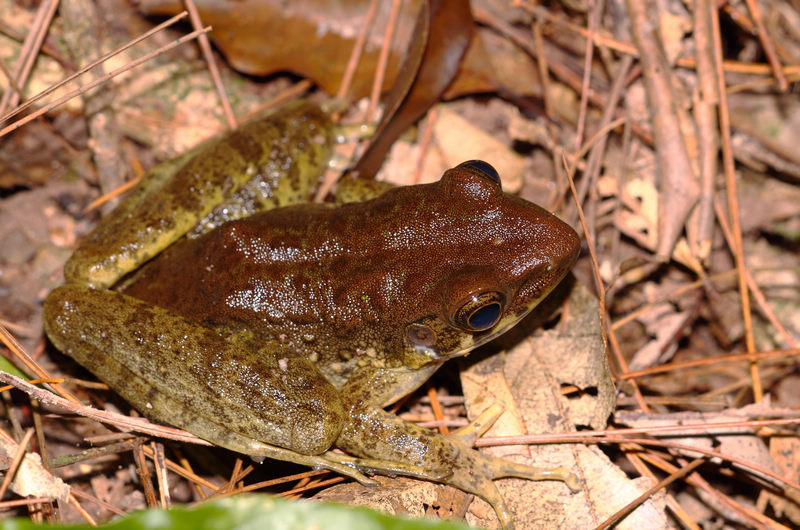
pixel 477 427
pixel 502 468
pixel 487 490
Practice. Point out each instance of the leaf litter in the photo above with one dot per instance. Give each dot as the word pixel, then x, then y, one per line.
pixel 672 305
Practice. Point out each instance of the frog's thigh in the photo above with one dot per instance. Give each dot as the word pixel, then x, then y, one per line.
pixel 187 375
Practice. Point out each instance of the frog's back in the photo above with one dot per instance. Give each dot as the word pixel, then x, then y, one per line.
pixel 310 269
pixel 266 270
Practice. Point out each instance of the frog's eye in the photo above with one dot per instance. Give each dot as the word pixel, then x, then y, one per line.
pixel 479 167
pixel 479 312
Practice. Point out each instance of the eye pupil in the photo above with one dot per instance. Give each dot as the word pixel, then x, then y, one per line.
pixel 479 312
pixel 482 168
pixel 484 317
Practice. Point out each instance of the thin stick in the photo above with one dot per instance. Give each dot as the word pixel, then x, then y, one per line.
pixel 30 50
pixel 7 505
pixel 733 205
pixel 120 420
pixel 205 47
pixel 91 65
pixel 77 505
pixel 30 363
pixel 694 429
pixel 144 475
pixel 358 49
pixel 588 56
pixel 437 409
pixel 183 472
pixel 758 295
pixel 628 508
pixel 313 485
pixel 766 43
pixel 751 357
pixel 19 454
pixel 699 482
pixel 160 465
pixel 425 143
pixel 111 194
pixel 277 481
pixel 16 125
pixel 383 59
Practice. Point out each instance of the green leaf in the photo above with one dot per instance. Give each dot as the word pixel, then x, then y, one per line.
pixel 9 367
pixel 257 512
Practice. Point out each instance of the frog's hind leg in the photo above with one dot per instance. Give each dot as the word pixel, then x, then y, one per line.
pixel 240 393
pixel 184 374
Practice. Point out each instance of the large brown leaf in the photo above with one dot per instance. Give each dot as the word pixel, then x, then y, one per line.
pixel 449 27
pixel 313 38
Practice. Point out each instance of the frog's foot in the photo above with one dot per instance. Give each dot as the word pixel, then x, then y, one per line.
pixel 476 472
pixel 485 469
pixel 379 435
pixel 505 468
pixel 502 468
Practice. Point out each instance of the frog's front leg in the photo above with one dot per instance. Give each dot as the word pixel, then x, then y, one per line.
pixel 267 163
pixel 239 391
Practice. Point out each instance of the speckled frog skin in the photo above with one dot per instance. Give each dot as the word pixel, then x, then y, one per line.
pixel 216 300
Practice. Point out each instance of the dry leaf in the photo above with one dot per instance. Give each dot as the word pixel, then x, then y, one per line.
pixel 640 220
pixel 31 478
pixel 785 452
pixel 674 24
pixel 313 38
pixel 527 380
pixel 662 322
pixel 740 442
pixel 455 140
pixel 458 140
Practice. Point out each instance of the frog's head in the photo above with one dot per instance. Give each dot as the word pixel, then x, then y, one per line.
pixel 500 256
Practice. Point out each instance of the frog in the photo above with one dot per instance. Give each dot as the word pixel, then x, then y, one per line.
pixel 218 299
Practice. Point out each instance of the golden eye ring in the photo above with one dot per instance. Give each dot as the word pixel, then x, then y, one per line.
pixel 479 312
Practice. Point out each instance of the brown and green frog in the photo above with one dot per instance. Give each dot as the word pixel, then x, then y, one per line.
pixel 216 299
